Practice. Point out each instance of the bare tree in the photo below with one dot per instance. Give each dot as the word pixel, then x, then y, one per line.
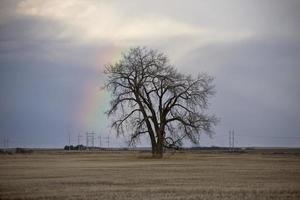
pixel 149 96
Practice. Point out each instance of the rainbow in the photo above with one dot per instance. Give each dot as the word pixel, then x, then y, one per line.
pixel 95 100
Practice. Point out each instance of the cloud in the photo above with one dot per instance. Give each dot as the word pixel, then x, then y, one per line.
pixel 256 83
pixel 91 21
pixel 109 22
pixel 50 53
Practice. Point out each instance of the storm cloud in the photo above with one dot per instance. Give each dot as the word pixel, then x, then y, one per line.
pixel 52 55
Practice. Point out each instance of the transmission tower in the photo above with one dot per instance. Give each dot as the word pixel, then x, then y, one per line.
pixel 90 139
pixel 5 143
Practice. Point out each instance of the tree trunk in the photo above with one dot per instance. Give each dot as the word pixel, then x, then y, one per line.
pixel 153 146
pixel 159 150
pixel 158 153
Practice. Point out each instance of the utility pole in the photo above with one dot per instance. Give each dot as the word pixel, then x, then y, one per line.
pixel 107 141
pixel 69 134
pixel 231 140
pixel 78 139
pixel 99 137
pixel 87 140
pixel 93 139
pixel 78 142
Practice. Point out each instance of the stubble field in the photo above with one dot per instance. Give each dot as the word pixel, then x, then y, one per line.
pixel 133 175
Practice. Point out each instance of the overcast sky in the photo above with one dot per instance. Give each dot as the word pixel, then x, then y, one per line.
pixel 52 55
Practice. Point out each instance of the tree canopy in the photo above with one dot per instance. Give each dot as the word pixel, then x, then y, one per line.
pixel 149 96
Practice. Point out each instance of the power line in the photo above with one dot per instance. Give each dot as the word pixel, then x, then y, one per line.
pixel 262 136
pixel 270 136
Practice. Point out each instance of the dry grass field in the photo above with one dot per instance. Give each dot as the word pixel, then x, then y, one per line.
pixel 133 175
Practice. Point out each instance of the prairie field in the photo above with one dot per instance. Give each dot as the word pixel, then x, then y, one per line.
pixel 134 175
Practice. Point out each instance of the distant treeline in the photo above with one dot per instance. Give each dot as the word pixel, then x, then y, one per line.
pixel 214 148
pixel 16 150
pixel 81 147
pixel 77 147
